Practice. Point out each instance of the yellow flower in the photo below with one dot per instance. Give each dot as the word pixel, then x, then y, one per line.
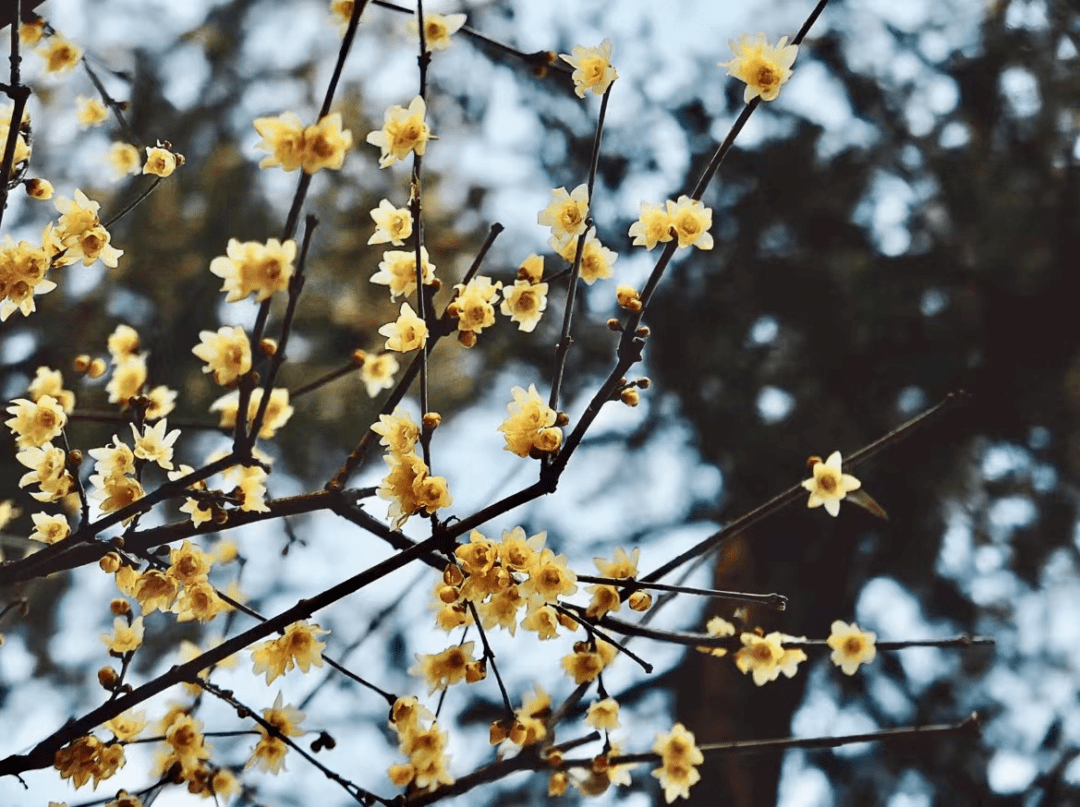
pixel 51 382
pixel 761 655
pixel 124 159
pixel 36 422
pixel 691 221
pixel 393 224
pixel 596 259
pixel 531 269
pixel 124 341
pixel 89 758
pixel 127 379
pixel 269 753
pixel 126 725
pixel 341 11
pixel 278 410
pixel 49 529
pixel 524 303
pixel 48 466
pixel 407 333
pixel 543 620
pixel 227 353
pixel 398 432
pixel 530 424
pixel 283 137
pixel 154 589
pixel 603 714
pixel 678 756
pixel 652 227
pixel 40 189
pixel 530 726
pixel 592 68
pixel 851 646
pixel 519 553
pixel 377 372
pixel 829 485
pixel 718 626
pixel 59 54
pixel 299 647
pixel 398 271
pixel 399 486
pixel 566 214
pixel 473 307
pixel 90 112
pixel 161 162
pixel 160 402
pixel 30 33
pixel 763 67
pixel 188 563
pixel 154 444
pixel 125 638
pixel 115 459
pixel 549 578
pixel 184 735
pixel 22 277
pixel 440 670
pixel 623 565
pixel 325 144
pixel 403 130
pixel 438 28
pixel 254 268
pixel 584 664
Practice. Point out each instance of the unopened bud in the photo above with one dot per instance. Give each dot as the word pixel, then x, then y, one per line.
pixel 644 383
pixel 74 458
pixel 97 368
pixel 39 189
pixel 568 622
pixel 120 607
pixel 643 332
pixel 614 325
pixel 558 783
pixel 467 338
pixel 630 396
pixel 432 420
pixel 109 563
pixel 812 460
pixel 453 576
pixel 628 298
pixel 268 346
pixel 497 732
pixel 108 678
pixel 81 363
pixel 447 594
pixel 639 601
pixel 359 357
pixel 562 419
pixel 554 757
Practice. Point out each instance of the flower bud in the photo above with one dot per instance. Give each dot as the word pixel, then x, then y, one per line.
pixel 108 678
pixel 109 563
pixel 120 607
pixel 640 601
pixel 39 189
pixel 97 368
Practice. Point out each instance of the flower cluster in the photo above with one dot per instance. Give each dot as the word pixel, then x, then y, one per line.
pixel 299 647
pixel 530 429
pixel 183 588
pixel 474 307
pixel 254 268
pixel 269 752
pixel 408 485
pixel 292 145
pixel 22 276
pixel 278 410
pixel 686 219
pixel 421 741
pixel 186 750
pixel 89 758
pixel 678 758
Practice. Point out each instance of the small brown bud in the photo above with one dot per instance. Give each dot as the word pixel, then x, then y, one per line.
pixel 81 363
pixel 640 601
pixel 467 338
pixel 643 332
pixel 74 458
pixel 109 563
pixel 97 368
pixel 358 357
pixel 120 607
pixel 453 576
pixel 614 325
pixel 432 420
pixel 108 678
pixel 562 419
pixel 644 383
pixel 220 516
pixel 554 757
pixel 630 396
pixel 558 783
pixel 497 732
pixel 268 346
pixel 448 594
pixel 812 460
pixel 39 189
pixel 600 764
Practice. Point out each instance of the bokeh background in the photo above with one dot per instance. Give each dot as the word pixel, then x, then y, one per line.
pixel 900 224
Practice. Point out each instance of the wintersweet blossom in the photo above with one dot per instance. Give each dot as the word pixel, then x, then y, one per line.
pixel 603 714
pixel 397 431
pixel 125 638
pixel 161 162
pixel 51 382
pixel 36 422
pixel 392 224
pixel 851 646
pixel 403 130
pixel 254 268
pixel 408 332
pixel 679 755
pixel 48 468
pixel 377 372
pixel 278 410
pixel 60 54
pixel 763 67
pixel 325 144
pixel 397 270
pixel 269 752
pixel 227 353
pixel 592 68
pixel 828 485
pixel 549 578
pixel 691 221
pixel 587 661
pixel 124 159
pixel 438 28
pixel 298 647
pixel 292 145
pixel 566 214
pixel 760 655
pixel 90 112
pixel 49 529
pixel 473 307
pixel 154 444
pixel 531 424
pixel 22 276
pixel 718 626
pixel 596 259
pixel 89 758
pixel 652 227
pixel 440 670
pixel 524 303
